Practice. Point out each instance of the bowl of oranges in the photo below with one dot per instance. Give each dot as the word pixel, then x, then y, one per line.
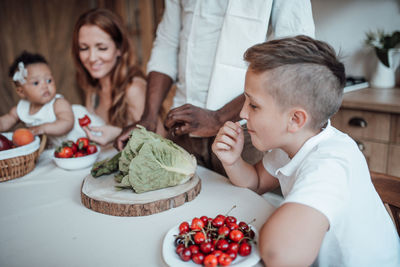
pixel 19 151
pixel 74 155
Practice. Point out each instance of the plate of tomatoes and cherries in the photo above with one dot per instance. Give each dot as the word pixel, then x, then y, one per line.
pixel 76 155
pixel 210 242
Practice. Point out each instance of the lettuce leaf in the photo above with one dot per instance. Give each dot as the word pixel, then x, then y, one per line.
pixel 150 162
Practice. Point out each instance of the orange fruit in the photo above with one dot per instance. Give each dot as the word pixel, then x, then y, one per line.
pixel 22 137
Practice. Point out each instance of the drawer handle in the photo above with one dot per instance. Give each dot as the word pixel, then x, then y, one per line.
pixel 360 145
pixel 358 122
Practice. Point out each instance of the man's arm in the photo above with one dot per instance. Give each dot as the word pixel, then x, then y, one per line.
pixel 202 122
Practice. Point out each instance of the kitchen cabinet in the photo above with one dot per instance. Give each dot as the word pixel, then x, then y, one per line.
pixel 371 117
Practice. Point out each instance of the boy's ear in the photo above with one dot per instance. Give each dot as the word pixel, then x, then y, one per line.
pixel 20 91
pixel 297 119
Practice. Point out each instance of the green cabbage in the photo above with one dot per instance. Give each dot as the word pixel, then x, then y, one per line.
pixel 150 162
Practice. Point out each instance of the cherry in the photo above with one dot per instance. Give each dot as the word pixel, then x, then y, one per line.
pixel 197 224
pixel 232 226
pixel 222 244
pixel 224 259
pixel 186 255
pixel 231 253
pixel 204 219
pixel 223 231
pixel 179 249
pixel 206 247
pixel 218 221
pixel 184 228
pixel 230 219
pixel 199 238
pixel 243 226
pixel 210 261
pixel 244 249
pixel 194 249
pixel 198 258
pixel 236 235
pixel 234 247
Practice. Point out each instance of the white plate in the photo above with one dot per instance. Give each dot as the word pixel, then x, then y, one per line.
pixel 173 259
pixel 76 163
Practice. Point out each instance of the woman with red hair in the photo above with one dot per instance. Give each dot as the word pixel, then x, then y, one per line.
pixel 114 86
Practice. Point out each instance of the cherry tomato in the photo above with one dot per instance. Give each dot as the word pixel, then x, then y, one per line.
pixel 232 254
pixel 82 143
pixel 91 149
pixel 179 249
pixel 222 244
pixel 224 259
pixel 244 249
pixel 186 255
pixel 198 258
pixel 184 228
pixel 199 238
pixel 236 235
pixel 63 152
pixel 85 121
pixel 206 247
pixel 230 219
pixel 210 261
pixel 223 231
pixel 197 224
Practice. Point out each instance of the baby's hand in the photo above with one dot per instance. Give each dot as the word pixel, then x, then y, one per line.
pixel 37 130
pixel 228 143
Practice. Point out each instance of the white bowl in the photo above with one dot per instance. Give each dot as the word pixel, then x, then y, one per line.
pixel 76 163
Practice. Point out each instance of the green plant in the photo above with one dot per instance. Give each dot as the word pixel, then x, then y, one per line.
pixel 382 42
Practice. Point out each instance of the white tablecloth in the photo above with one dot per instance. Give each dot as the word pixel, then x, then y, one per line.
pixel 43 222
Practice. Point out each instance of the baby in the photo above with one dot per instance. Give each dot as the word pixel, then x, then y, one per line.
pixel 40 108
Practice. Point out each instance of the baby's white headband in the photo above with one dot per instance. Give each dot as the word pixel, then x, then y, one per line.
pixel 21 74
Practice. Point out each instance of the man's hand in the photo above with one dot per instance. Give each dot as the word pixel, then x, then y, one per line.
pixel 228 143
pixel 123 138
pixel 194 120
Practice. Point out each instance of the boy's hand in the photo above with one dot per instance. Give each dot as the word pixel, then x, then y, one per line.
pixel 228 143
pixel 37 130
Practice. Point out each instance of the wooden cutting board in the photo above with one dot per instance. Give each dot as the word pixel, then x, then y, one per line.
pixel 100 194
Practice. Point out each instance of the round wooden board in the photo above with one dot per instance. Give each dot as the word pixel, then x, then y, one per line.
pixel 99 194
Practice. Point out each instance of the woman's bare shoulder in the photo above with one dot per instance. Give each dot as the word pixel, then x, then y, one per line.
pixel 136 89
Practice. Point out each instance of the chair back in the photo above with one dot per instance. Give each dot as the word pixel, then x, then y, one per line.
pixel 388 188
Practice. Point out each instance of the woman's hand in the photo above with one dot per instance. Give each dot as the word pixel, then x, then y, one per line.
pixel 228 143
pixel 108 133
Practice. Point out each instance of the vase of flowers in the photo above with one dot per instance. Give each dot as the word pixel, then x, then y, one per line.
pixel 387 50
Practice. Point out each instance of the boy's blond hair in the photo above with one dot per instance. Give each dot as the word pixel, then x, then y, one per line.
pixel 303 72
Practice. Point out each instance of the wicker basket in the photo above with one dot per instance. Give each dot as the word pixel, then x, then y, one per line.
pixel 16 167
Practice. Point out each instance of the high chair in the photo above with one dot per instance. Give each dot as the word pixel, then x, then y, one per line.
pixel 388 188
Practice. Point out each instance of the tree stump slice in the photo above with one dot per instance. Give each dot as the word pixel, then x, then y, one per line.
pixel 100 195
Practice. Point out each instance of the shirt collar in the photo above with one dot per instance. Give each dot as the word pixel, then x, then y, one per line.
pixel 308 146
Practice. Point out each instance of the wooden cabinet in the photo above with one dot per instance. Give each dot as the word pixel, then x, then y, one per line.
pixel 372 118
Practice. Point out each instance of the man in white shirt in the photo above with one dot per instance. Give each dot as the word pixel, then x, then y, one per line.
pixel 199 45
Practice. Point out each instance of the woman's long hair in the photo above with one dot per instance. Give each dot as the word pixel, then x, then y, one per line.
pixel 122 73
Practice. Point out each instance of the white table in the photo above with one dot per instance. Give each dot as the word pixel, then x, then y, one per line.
pixel 43 223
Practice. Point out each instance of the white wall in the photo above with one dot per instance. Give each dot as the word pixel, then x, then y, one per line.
pixel 343 24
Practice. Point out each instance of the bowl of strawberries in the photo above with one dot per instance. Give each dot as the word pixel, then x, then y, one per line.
pixel 74 155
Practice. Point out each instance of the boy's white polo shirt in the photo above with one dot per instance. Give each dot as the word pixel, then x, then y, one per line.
pixel 330 174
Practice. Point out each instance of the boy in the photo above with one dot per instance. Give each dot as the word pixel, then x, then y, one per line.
pixel 331 213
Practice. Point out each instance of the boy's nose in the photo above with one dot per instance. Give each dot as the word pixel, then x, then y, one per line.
pixel 243 113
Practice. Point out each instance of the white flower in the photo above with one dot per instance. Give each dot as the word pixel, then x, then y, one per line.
pixel 21 74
